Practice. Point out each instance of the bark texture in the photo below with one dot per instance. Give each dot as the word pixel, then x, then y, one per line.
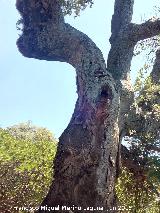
pixel 85 165
pixel 155 74
pixel 87 159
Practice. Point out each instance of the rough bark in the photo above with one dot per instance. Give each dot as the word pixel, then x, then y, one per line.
pixel 155 74
pixel 87 159
pixel 85 165
pixel 125 36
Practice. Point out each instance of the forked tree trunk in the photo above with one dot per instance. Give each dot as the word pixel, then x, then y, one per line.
pixel 87 159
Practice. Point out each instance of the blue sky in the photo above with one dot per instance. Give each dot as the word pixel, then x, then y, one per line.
pixel 45 92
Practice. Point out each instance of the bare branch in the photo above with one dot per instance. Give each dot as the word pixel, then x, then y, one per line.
pixel 128 161
pixel 148 29
pixel 47 37
pixel 121 52
pixel 155 74
pixel 123 10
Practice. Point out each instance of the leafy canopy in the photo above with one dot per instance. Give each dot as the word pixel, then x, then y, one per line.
pixel 141 189
pixel 75 6
pixel 26 158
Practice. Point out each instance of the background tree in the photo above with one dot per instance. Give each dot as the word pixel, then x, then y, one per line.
pixel 26 156
pixel 139 183
pixel 88 153
pixel 28 132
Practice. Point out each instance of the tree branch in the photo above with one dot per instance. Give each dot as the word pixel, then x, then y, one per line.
pixel 128 161
pixel 123 10
pixel 148 29
pixel 121 52
pixel 47 37
pixel 155 73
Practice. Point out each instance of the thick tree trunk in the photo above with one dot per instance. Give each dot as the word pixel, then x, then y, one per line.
pixel 87 159
pixel 86 162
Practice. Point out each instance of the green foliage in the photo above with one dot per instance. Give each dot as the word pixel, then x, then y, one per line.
pixel 149 47
pixel 26 166
pixel 136 194
pixel 141 189
pixel 148 94
pixel 27 131
pixel 75 6
pixel 140 80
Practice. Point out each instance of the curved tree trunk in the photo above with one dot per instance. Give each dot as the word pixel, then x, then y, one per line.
pixel 85 165
pixel 87 159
